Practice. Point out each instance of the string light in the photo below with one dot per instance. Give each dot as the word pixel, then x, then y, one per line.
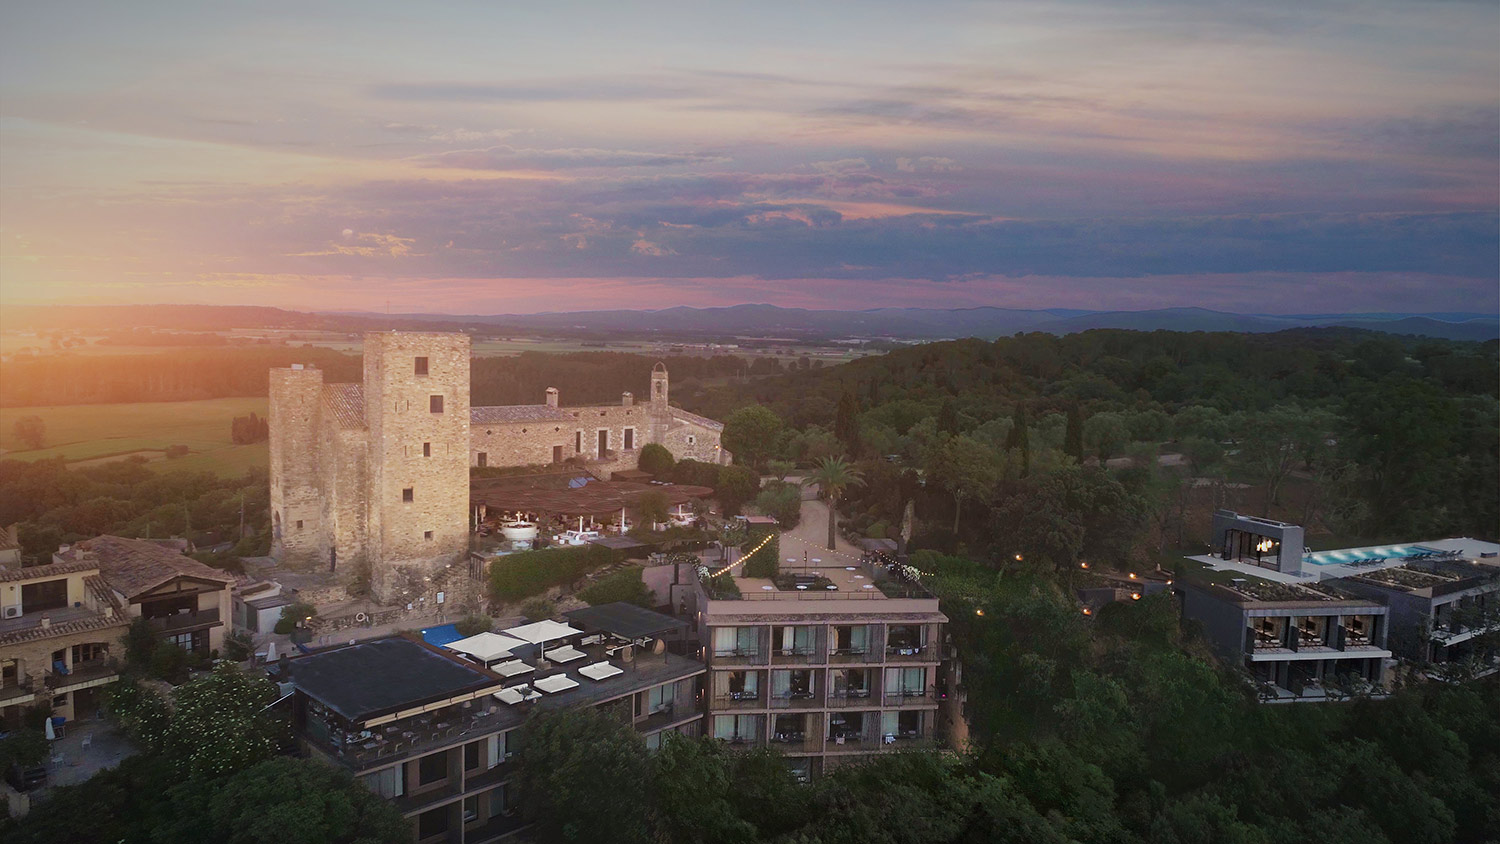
pixel 768 537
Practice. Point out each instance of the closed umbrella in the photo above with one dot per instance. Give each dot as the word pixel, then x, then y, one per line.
pixel 51 733
pixel 271 652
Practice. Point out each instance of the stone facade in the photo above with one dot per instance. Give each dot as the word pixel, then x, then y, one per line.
pixel 370 481
pixel 608 437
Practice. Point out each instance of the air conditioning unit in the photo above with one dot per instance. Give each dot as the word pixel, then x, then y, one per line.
pixel 12 612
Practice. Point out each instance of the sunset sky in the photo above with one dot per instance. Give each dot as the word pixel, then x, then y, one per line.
pixel 496 157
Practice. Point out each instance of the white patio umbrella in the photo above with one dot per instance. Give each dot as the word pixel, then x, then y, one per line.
pixel 51 733
pixel 271 652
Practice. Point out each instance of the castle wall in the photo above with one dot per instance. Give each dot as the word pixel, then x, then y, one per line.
pixel 344 479
pixel 531 443
pixel 415 445
pixel 294 421
pixel 519 443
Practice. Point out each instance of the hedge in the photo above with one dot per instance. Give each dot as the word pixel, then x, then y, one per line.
pixel 624 585
pixel 526 573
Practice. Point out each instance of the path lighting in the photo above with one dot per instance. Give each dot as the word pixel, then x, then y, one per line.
pixel 1132 575
pixel 1087 611
pixel 1135 596
pixel 1018 558
pixel 979 612
pixel 1083 565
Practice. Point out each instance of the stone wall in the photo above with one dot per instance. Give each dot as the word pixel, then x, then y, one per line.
pixel 520 443
pixel 344 480
pixel 696 442
pixel 415 446
pixel 295 420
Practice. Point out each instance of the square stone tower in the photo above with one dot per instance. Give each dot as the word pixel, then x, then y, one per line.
pixel 296 492
pixel 416 390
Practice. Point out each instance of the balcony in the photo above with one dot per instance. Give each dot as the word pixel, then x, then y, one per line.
pixel 845 656
pixel 424 800
pixel 910 697
pixel 798 742
pixel 185 621
pixel 496 828
pixel 841 742
pixel 14 694
pixel 793 656
pixel 850 698
pixel 797 700
pixel 909 653
pixel 907 740
pixel 743 742
pixel 740 656
pixel 739 700
pixel 88 672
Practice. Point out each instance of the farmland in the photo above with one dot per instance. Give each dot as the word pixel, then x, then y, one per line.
pixel 88 434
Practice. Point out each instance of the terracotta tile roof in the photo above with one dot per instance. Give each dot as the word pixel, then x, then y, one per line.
pixel 11 575
pixel 502 414
pixel 134 566
pixel 97 621
pixel 694 419
pixel 346 403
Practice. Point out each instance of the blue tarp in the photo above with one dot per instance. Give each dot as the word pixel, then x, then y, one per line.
pixel 441 635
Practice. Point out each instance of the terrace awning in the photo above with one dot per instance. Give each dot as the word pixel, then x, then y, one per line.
pixel 542 631
pixel 486 647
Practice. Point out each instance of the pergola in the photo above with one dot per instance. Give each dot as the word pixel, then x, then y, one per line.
pixel 590 499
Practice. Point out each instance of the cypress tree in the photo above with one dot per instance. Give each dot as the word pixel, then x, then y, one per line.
pixel 1073 439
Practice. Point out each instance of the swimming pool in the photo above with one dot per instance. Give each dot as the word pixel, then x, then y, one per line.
pixel 441 635
pixel 1357 555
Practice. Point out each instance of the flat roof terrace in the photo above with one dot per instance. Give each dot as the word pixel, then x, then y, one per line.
pixel 420 727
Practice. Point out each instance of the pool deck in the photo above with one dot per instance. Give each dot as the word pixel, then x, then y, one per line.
pixel 1315 572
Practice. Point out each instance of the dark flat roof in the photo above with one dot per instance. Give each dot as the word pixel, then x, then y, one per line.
pixel 625 620
pixel 269 603
pixel 378 676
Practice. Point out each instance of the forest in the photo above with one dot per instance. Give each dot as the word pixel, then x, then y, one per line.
pixel 1355 435
pixel 1119 730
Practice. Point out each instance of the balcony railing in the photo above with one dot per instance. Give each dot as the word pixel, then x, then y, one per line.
pixel 744 742
pixel 793 656
pixel 797 700
pixel 909 697
pixel 185 621
pixel 83 672
pixel 798 741
pixel 850 698
pixel 739 700
pixel 850 655
pixel 862 740
pixel 907 653
pixel 740 656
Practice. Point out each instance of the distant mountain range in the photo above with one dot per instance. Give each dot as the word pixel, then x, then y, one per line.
pixel 929 323
pixel 756 321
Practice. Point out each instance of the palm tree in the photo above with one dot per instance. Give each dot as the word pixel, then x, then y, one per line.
pixel 833 476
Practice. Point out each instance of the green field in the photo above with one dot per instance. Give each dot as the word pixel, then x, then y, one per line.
pixel 89 433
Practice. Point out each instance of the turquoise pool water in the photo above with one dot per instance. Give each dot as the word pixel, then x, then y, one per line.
pixel 1355 555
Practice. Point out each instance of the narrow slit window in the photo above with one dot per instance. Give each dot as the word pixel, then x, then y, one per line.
pixel 426 449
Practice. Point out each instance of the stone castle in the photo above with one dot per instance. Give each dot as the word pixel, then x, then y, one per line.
pixel 371 480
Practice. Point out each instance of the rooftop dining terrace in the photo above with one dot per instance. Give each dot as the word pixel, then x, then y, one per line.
pixel 437 715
